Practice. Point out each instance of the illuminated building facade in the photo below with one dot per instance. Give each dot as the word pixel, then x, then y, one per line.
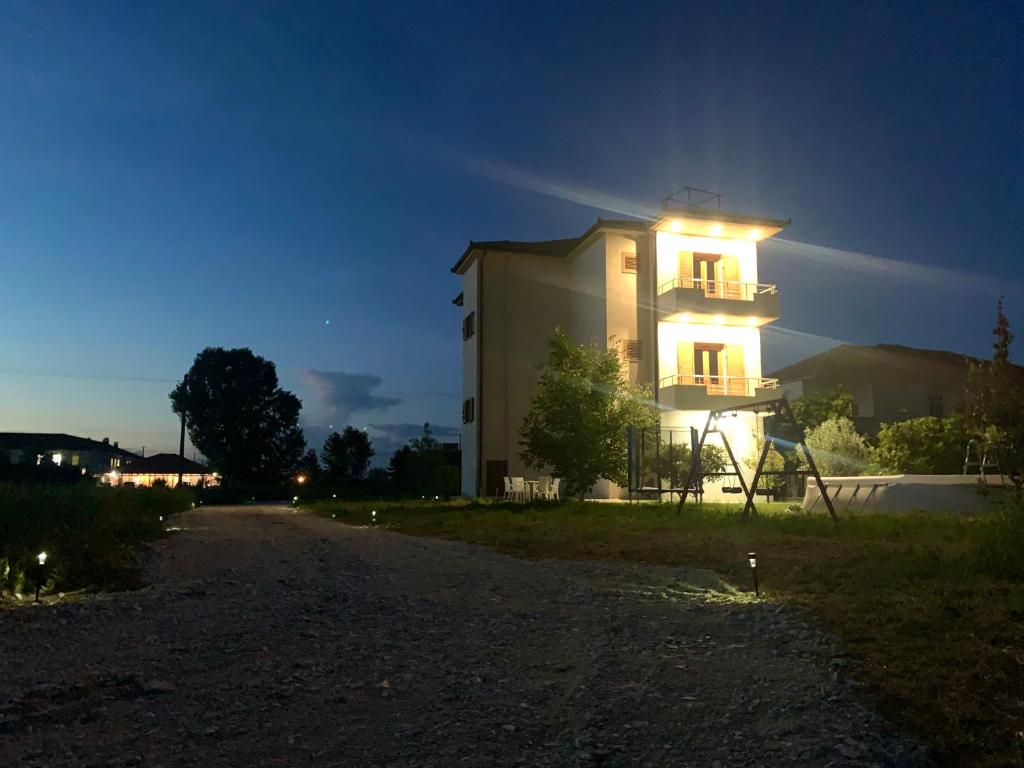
pixel 679 297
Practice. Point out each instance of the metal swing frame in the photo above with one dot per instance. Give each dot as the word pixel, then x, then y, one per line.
pixel 777 407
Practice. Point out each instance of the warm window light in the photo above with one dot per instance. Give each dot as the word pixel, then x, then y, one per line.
pixel 716 229
pixel 58 458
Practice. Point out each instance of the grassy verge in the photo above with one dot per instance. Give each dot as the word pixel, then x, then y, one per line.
pixel 90 534
pixel 931 609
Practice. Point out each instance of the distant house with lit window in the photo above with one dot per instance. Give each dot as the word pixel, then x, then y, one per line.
pixel 678 296
pixel 888 382
pixel 163 469
pixel 96 457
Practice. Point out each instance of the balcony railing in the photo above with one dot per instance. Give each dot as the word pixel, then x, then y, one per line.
pixel 720 289
pixel 721 385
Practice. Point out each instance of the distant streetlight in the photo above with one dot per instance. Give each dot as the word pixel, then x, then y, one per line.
pixel 752 557
pixel 300 479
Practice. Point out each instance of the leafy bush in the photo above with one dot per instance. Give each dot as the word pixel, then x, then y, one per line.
pixel 838 449
pixel 814 409
pixel 925 446
pixel 90 533
pixel 674 463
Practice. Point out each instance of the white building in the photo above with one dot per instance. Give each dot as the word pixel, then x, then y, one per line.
pixel 679 297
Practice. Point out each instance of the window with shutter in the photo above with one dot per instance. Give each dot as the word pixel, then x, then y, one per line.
pixel 629 262
pixel 631 350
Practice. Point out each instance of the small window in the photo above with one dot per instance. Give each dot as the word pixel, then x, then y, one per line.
pixel 629 262
pixel 469 325
pixel 631 350
pixel 468 410
pixel 74 460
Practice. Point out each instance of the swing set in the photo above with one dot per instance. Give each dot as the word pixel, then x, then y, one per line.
pixel 783 419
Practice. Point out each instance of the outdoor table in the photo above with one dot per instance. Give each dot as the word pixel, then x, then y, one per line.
pixel 531 489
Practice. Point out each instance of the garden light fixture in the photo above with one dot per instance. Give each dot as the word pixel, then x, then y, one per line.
pixel 40 574
pixel 373 517
pixel 752 557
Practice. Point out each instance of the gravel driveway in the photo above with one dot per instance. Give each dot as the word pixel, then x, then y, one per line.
pixel 274 638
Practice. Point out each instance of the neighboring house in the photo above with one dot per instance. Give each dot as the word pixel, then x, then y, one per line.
pixel 162 469
pixel 888 382
pixel 96 457
pixel 678 297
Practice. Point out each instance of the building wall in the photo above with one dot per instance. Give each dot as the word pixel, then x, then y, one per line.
pixel 524 298
pixel 587 273
pixel 892 391
pixel 470 387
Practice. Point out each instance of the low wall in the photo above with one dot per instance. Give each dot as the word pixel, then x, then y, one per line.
pixel 956 494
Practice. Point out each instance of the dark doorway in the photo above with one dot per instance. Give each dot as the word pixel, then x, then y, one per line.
pixel 494 477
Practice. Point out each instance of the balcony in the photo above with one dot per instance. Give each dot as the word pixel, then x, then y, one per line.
pixel 695 392
pixel 718 302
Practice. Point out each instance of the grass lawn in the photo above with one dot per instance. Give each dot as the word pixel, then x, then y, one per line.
pixel 934 628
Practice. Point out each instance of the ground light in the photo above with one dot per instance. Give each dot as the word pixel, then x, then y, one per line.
pixel 373 517
pixel 752 557
pixel 40 572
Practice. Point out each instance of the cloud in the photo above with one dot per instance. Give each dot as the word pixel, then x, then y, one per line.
pixel 343 394
pixel 407 432
pixel 388 438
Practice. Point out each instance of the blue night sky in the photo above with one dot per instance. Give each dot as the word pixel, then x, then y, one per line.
pixel 178 175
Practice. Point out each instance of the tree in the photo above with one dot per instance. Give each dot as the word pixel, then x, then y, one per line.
pixel 815 408
pixel 773 462
pixel 347 456
pixel 924 446
pixel 577 421
pixel 424 467
pixel 837 449
pixel 308 467
pixel 238 416
pixel 674 463
pixel 993 404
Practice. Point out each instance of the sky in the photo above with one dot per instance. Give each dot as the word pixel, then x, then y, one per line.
pixel 298 178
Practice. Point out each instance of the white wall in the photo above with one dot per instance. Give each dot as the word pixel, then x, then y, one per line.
pixel 671 334
pixel 670 244
pixel 470 449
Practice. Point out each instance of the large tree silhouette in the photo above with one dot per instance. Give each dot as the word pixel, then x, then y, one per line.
pixel 238 416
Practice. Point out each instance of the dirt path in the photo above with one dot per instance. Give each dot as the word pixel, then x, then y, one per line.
pixel 274 638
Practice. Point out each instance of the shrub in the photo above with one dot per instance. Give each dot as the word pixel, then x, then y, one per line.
pixel 90 533
pixel 925 446
pixel 838 449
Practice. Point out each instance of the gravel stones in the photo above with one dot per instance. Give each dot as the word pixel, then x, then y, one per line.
pixel 273 638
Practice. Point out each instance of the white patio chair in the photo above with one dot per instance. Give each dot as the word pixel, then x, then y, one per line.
pixel 553 489
pixel 543 486
pixel 518 489
pixel 508 489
